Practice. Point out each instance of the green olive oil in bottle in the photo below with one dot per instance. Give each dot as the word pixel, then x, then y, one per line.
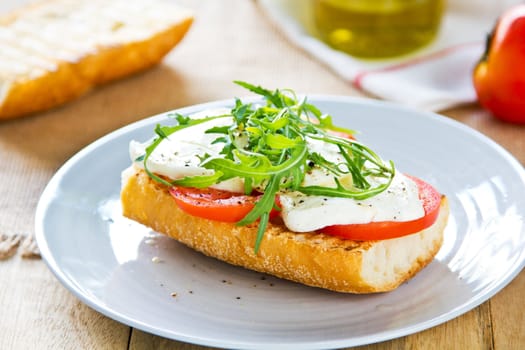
pixel 377 28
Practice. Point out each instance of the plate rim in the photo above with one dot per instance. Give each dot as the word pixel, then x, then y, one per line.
pixel 47 255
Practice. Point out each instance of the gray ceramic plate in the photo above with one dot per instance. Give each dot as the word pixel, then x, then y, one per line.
pixel 106 260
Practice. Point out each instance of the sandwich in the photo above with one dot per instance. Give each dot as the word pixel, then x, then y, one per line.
pixel 278 188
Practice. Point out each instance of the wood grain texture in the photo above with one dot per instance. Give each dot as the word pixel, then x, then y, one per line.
pixel 38 313
pixel 142 340
pixel 508 316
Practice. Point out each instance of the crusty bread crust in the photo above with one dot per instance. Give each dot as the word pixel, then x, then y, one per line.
pixel 310 258
pixel 22 94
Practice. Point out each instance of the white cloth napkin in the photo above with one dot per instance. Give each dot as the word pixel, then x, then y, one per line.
pixel 434 78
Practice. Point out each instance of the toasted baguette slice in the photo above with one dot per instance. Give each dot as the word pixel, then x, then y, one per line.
pixel 310 258
pixel 56 50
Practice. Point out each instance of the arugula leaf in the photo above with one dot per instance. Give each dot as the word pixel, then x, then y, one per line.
pixel 267 147
pixel 278 141
pixel 202 181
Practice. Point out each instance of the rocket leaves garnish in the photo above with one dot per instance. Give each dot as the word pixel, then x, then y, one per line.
pixel 267 147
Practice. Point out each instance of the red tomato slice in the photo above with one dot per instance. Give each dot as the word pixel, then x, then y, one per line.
pixel 431 200
pixel 228 206
pixel 215 204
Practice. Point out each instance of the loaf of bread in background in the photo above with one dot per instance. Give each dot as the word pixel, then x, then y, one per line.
pixel 310 258
pixel 56 50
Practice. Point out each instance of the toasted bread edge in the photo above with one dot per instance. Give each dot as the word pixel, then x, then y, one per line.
pixel 309 258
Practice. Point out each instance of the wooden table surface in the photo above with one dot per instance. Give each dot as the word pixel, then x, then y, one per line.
pixel 230 39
